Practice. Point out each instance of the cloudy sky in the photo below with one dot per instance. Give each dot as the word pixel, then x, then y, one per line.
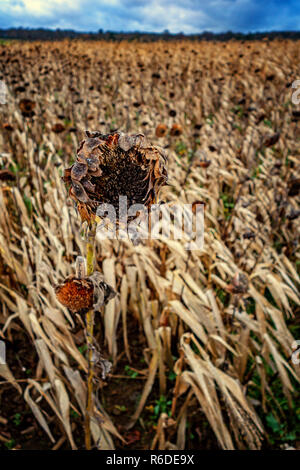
pixel 189 16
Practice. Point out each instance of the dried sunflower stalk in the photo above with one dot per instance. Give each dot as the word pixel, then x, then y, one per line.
pixel 114 165
pixel 85 294
pixel 107 168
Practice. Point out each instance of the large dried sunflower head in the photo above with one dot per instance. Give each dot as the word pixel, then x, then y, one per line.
pixel 114 165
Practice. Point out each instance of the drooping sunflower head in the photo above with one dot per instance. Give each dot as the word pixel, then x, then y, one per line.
pixel 27 107
pixel 161 130
pixel 114 165
pixel 80 294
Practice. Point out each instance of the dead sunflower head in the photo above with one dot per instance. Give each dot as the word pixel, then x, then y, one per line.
pixel 80 294
pixel 161 130
pixel 7 127
pixel 26 107
pixel 176 130
pixel 239 284
pixel 58 128
pixel 114 165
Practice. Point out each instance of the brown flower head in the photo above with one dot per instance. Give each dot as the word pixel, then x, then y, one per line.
pixel 161 130
pixel 58 128
pixel 271 140
pixel 239 284
pixel 114 165
pixel 7 175
pixel 7 127
pixel 293 186
pixel 26 107
pixel 176 130
pixel 81 294
pixel 203 163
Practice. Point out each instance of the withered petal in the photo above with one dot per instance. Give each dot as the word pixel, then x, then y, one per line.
pixel 95 173
pixel 126 142
pixel 84 212
pixel 88 185
pixel 112 140
pixel 79 170
pixel 93 162
pixel 79 191
pixel 67 173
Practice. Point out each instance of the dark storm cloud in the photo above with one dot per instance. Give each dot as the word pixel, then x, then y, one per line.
pixel 189 16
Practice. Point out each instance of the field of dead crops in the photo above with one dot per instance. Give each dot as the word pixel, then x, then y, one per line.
pixel 201 342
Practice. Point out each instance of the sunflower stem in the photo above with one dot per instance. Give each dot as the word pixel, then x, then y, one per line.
pixel 90 260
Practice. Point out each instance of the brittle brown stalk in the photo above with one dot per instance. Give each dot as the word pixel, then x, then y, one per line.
pixel 90 259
